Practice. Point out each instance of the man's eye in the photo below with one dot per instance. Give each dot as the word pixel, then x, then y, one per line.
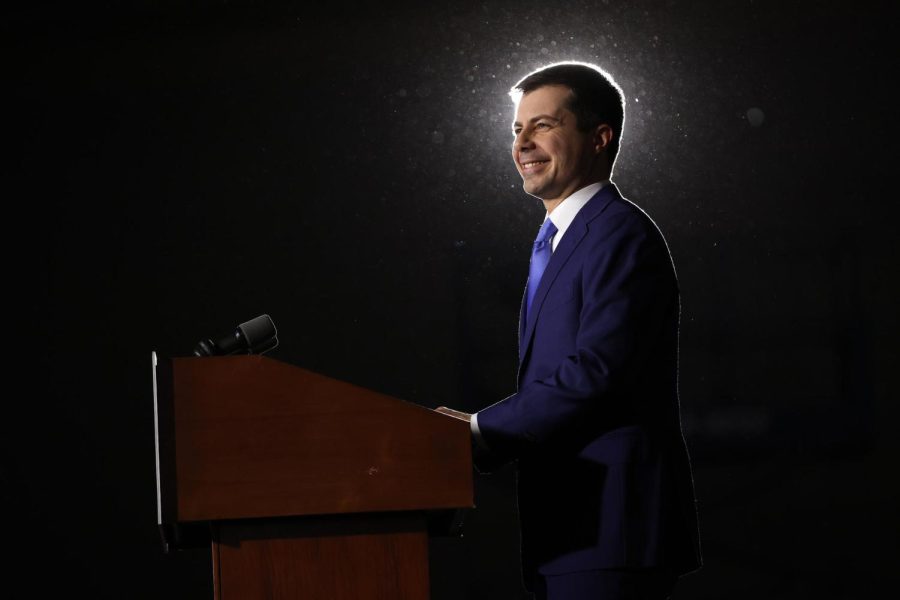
pixel 539 125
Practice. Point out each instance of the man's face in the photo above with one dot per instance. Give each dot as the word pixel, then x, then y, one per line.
pixel 552 156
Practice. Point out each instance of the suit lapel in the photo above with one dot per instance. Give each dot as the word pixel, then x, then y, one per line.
pixel 563 251
pixel 522 322
pixel 572 237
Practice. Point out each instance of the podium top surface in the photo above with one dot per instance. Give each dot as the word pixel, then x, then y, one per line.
pixel 250 436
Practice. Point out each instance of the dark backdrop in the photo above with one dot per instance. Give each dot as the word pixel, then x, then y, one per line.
pixel 344 168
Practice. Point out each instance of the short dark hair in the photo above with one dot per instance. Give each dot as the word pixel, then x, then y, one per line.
pixel 596 98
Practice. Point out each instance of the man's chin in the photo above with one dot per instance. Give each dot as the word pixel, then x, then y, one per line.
pixel 541 193
pixel 532 189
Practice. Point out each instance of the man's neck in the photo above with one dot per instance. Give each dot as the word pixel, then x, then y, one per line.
pixel 549 205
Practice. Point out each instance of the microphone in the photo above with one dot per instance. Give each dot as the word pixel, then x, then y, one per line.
pixel 256 336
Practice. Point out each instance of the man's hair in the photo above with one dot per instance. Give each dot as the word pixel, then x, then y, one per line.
pixel 596 98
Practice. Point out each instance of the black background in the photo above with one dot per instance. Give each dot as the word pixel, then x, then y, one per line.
pixel 174 171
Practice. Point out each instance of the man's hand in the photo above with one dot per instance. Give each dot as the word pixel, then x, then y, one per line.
pixel 454 413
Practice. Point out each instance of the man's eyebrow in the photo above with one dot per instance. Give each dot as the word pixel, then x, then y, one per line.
pixel 538 118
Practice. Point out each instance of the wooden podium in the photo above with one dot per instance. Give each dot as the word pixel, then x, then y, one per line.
pixel 305 486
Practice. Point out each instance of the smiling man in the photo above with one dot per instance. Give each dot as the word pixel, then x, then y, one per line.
pixel 606 499
pixel 555 158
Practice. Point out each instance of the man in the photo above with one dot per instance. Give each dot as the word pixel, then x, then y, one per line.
pixel 606 500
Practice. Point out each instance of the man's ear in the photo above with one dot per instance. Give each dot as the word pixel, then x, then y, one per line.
pixel 603 136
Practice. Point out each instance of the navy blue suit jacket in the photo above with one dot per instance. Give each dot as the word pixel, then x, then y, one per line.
pixel 604 479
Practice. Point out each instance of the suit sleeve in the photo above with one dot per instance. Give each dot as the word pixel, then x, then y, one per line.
pixel 629 292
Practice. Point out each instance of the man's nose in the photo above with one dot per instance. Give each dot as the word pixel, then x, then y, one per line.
pixel 523 141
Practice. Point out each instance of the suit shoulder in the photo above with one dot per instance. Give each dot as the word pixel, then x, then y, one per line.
pixel 622 218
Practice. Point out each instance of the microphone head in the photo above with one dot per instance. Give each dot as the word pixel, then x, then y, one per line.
pixel 260 334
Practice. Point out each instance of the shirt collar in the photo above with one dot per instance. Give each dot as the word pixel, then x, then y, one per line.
pixel 565 211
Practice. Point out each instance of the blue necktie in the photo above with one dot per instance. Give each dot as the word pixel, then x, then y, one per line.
pixel 540 256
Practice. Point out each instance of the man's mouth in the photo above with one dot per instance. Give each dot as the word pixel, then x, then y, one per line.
pixel 531 164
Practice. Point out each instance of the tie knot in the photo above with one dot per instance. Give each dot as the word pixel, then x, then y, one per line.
pixel 548 230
